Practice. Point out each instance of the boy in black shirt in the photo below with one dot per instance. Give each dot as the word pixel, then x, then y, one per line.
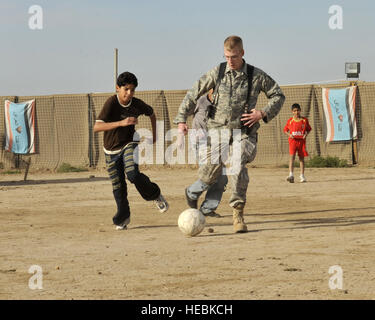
pixel 118 119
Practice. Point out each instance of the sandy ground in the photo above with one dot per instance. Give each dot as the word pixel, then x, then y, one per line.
pixel 62 223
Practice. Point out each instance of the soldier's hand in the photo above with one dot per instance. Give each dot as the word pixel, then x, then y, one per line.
pixel 128 121
pixel 182 128
pixel 251 118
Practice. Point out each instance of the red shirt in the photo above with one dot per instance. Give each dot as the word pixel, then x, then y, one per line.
pixel 297 127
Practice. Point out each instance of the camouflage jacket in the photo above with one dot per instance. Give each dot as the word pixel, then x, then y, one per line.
pixel 230 101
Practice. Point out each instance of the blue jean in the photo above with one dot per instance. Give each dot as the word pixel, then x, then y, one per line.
pixel 213 195
pixel 123 165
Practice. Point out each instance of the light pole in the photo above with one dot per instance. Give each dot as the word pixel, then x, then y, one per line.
pixel 352 70
pixel 116 66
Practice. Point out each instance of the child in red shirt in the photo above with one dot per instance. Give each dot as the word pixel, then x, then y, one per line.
pixel 297 128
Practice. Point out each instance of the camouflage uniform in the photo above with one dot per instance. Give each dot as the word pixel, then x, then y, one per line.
pixel 230 103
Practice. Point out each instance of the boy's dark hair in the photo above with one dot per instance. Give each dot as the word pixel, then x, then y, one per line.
pixel 127 78
pixel 296 106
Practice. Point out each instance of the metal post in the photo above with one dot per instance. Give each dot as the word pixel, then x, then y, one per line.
pixel 116 67
pixel 354 141
pixel 27 169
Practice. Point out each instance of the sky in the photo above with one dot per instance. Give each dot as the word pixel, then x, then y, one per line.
pixel 169 44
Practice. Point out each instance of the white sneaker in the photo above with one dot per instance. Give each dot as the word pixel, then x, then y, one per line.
pixel 123 226
pixel 161 204
pixel 302 178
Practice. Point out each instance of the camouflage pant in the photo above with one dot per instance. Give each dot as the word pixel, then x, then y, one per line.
pixel 237 155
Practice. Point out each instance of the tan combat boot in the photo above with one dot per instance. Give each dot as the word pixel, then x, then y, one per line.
pixel 238 220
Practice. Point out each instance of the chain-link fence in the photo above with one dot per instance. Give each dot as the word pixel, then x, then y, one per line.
pixel 64 128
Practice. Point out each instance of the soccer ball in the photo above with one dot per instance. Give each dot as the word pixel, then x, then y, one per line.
pixel 191 222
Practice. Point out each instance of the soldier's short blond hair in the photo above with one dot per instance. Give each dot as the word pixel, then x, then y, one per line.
pixel 233 42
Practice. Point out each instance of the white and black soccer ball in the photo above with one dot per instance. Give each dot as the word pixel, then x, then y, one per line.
pixel 191 222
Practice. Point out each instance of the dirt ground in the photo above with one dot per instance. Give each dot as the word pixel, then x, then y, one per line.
pixel 63 224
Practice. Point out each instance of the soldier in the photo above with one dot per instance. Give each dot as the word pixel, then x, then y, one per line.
pixel 234 108
pixel 199 139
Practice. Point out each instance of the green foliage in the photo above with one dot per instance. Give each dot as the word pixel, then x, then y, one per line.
pixel 12 172
pixel 66 167
pixel 320 162
pixel 296 165
pixel 327 162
